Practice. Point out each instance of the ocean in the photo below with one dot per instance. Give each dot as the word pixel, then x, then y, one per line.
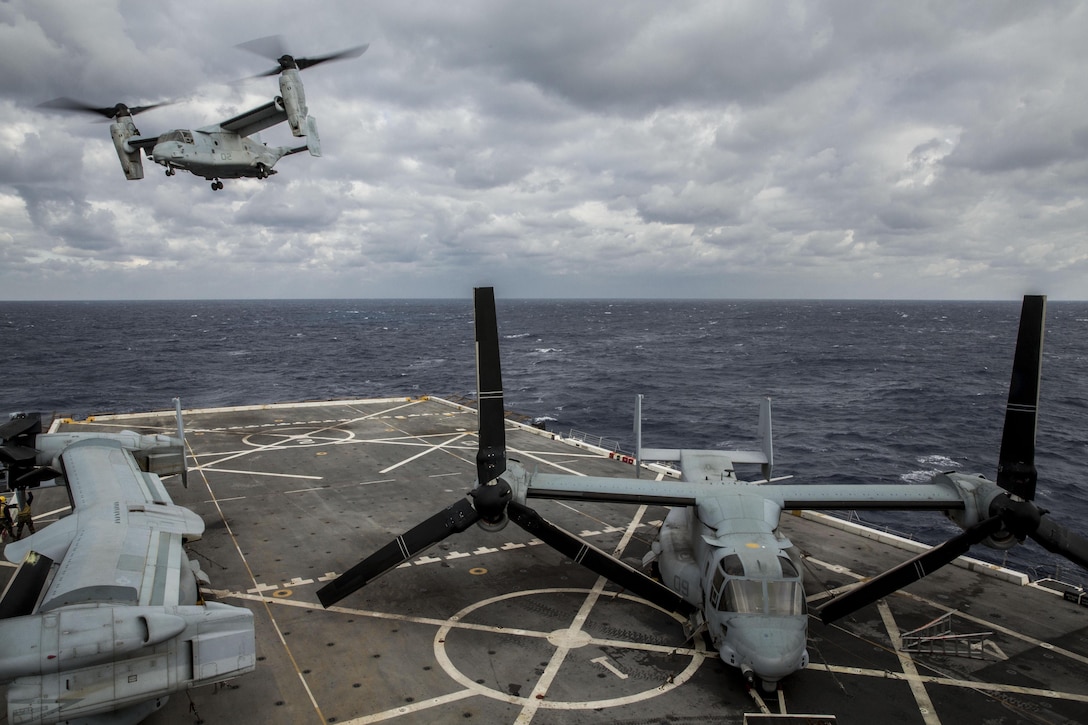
pixel 875 391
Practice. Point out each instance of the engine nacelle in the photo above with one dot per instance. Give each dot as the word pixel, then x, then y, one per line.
pixel 122 130
pixel 978 495
pixel 294 101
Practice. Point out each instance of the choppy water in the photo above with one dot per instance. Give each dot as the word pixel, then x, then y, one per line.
pixel 862 391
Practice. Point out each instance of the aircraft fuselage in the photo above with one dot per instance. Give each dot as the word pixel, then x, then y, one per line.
pixel 216 154
pixel 728 559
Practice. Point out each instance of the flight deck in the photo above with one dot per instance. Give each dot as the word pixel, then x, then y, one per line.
pixel 497 628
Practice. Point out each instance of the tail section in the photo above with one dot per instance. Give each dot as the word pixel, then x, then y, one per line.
pixel 313 141
pixel 764 456
pixel 181 437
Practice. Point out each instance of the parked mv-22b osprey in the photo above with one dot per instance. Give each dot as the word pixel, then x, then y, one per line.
pixel 104 617
pixel 722 560
pixel 225 150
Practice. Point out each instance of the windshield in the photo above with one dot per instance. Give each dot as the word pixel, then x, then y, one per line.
pixel 178 135
pixel 759 596
pixel 742 595
pixel 785 598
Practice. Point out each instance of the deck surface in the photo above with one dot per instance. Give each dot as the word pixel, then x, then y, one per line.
pixel 495 628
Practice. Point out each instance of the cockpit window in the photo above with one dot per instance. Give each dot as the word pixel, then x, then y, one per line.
pixel 177 135
pixel 744 596
pixel 785 598
pixel 761 596
pixel 732 565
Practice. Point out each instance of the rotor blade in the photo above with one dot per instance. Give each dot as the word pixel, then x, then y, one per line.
pixel 491 457
pixel 270 46
pixel 1060 540
pixel 15 453
pixel 1016 464
pixel 71 104
pixel 135 110
pixel 23 424
pixel 598 561
pixel 34 477
pixel 908 572
pixel 451 520
pixel 15 434
pixel 304 63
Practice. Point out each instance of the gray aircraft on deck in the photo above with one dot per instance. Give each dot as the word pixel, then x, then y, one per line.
pixel 104 617
pixel 722 560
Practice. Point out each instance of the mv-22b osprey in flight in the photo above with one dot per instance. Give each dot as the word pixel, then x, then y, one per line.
pixel 225 150
pixel 104 619
pixel 723 562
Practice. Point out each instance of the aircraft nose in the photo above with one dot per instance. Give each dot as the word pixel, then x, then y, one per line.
pixel 772 652
pixel 167 151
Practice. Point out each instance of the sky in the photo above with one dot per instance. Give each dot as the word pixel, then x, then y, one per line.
pixel 641 149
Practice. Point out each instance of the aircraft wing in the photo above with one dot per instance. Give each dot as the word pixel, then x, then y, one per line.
pixel 147 143
pixel 929 496
pixel 614 490
pixel 250 122
pixel 123 542
pixel 905 496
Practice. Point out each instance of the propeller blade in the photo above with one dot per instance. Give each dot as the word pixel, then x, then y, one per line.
pixel 15 434
pixel 908 572
pixel 34 477
pixel 274 48
pixel 304 63
pixel 598 561
pixel 30 423
pixel 491 457
pixel 118 109
pixel 451 520
pixel 1055 538
pixel 1016 471
pixel 270 46
pixel 13 453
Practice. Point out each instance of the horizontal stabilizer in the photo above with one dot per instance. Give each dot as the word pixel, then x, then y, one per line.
pixel 676 454
pixel 764 456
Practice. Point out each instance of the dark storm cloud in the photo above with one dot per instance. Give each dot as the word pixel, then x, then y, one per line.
pixel 918 149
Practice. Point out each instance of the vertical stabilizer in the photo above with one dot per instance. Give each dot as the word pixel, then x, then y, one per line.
pixel 766 443
pixel 313 141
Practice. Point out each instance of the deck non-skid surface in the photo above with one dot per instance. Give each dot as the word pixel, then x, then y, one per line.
pixel 497 628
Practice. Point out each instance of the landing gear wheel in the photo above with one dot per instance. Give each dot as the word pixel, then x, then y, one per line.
pixel 262 171
pixel 217 185
pixel 170 171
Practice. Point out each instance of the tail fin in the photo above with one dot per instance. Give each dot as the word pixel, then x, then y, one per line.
pixel 181 435
pixel 313 141
pixel 764 456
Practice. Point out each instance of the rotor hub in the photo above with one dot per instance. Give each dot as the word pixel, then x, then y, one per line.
pixel 490 500
pixel 1020 518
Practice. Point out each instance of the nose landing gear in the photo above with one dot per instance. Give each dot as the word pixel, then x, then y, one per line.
pixel 217 185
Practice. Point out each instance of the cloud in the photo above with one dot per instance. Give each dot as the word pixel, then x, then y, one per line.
pixel 766 149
